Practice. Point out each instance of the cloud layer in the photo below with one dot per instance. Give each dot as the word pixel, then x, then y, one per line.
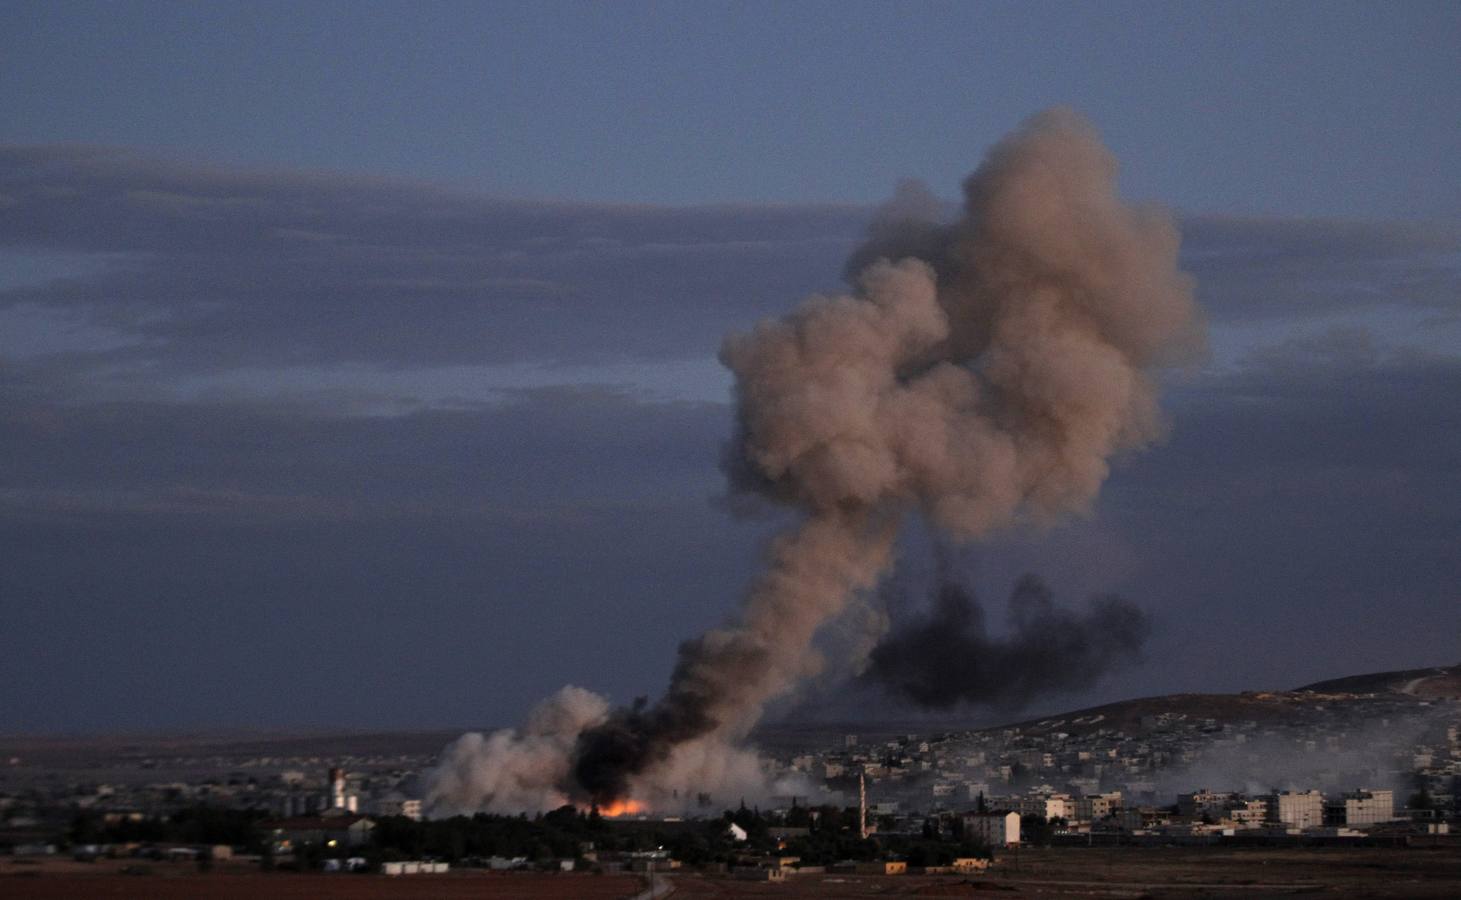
pixel 177 485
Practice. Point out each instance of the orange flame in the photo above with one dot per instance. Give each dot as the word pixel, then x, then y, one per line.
pixel 622 807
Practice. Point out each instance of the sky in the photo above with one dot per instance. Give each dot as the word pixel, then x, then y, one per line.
pixel 358 361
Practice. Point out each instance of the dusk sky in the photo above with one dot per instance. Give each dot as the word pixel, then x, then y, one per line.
pixel 358 361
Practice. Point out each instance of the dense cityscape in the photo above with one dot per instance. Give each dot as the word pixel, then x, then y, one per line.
pixel 1309 768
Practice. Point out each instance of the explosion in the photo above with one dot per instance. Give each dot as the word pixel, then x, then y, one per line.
pixel 980 374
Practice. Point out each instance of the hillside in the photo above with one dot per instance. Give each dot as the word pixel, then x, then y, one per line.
pixel 1434 683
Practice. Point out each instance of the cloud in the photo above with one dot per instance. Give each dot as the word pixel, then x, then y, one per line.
pixel 538 450
pixel 273 543
pixel 219 268
pixel 289 408
pixel 1266 269
pixel 181 270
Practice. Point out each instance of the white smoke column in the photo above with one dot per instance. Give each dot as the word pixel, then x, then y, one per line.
pixel 510 771
pixel 983 373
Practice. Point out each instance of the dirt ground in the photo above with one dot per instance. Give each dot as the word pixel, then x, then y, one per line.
pixel 1066 872
pixel 106 880
pixel 1143 873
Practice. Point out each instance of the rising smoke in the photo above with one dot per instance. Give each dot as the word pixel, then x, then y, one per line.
pixel 948 657
pixel 981 373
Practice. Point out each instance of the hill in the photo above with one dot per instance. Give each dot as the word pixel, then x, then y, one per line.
pixel 1356 697
pixel 1434 683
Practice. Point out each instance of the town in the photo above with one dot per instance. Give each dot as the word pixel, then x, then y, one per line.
pixel 1306 769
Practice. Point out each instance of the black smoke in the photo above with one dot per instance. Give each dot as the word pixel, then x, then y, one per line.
pixel 630 741
pixel 636 737
pixel 947 657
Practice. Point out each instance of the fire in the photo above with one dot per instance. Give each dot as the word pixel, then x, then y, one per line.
pixel 622 807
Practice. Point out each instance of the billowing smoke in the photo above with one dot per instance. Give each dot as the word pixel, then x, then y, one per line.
pixel 512 770
pixel 724 677
pixel 948 657
pixel 981 373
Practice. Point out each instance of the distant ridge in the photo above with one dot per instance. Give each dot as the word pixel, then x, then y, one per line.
pixel 1376 695
pixel 1435 682
pixel 1408 686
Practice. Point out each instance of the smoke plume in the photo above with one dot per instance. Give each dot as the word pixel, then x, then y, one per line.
pixel 948 658
pixel 512 770
pixel 982 372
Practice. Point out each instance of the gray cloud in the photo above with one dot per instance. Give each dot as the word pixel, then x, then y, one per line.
pixel 225 268
pixel 272 550
pixel 541 449
pixel 142 538
pixel 264 540
pixel 1302 521
pixel 197 269
pixel 1257 269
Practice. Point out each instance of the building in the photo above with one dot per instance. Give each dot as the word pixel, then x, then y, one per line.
pixel 1001 829
pixel 286 835
pixel 1248 813
pixel 1299 809
pixel 339 799
pixel 1204 803
pixel 415 867
pixel 1048 806
pixel 1094 807
pixel 1361 808
pixel 882 867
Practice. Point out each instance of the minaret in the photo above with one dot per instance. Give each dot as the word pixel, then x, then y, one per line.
pixel 862 804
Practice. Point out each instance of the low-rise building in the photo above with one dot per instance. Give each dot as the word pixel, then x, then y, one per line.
pixel 1247 813
pixel 1298 809
pixel 999 829
pixel 285 835
pixel 1361 808
pixel 1204 803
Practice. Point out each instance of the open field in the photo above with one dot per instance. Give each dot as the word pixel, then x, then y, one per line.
pixel 1099 872
pixel 1135 872
pixel 65 880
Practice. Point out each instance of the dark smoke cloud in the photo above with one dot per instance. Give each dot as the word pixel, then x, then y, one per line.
pixel 947 657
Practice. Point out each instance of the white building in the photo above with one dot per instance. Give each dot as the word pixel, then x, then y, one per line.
pixel 994 829
pixel 1048 805
pixel 1300 809
pixel 1364 807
